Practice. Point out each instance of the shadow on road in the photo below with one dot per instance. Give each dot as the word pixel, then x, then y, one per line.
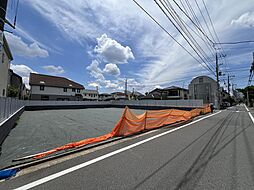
pixel 220 123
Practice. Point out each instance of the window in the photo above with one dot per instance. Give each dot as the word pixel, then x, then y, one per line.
pixel 43 97
pixel 78 90
pixel 3 92
pixel 42 87
pixel 65 89
pixel 200 80
pixel 74 90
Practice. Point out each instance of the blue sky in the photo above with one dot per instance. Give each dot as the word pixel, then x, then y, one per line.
pixel 100 43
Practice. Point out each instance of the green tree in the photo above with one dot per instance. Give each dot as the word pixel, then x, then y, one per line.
pixel 13 91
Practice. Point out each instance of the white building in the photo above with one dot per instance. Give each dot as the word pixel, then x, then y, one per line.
pixel 92 95
pixel 46 87
pixel 204 88
pixel 5 59
pixel 105 97
pixel 119 95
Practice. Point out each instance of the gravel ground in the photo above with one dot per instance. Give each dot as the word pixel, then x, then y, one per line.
pixel 38 131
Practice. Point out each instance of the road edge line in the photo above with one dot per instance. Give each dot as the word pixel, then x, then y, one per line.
pixel 251 117
pixel 79 166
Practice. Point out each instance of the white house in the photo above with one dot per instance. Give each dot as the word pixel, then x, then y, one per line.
pixel 105 97
pixel 5 59
pixel 119 95
pixel 46 87
pixel 169 93
pixel 92 95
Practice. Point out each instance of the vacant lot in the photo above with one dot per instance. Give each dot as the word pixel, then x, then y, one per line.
pixel 38 131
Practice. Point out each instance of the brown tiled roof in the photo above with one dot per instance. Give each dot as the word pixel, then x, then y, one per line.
pixel 55 81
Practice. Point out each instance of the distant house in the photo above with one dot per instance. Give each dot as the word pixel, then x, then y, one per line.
pixel 91 95
pixel 119 95
pixel 5 59
pixel 46 87
pixel 169 93
pixel 15 85
pixel 135 95
pixel 105 97
pixel 204 88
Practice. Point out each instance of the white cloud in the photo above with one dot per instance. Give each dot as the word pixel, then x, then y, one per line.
pixel 82 20
pixel 112 51
pixel 19 47
pixel 23 71
pixel 95 71
pixel 29 37
pixel 246 20
pixel 53 69
pixel 94 84
pixel 111 69
pixel 123 20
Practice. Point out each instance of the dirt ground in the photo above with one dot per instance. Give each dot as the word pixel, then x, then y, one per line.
pixel 38 131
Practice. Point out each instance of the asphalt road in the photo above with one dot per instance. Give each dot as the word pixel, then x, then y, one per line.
pixel 214 153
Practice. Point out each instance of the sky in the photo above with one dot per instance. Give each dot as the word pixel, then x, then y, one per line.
pixel 101 43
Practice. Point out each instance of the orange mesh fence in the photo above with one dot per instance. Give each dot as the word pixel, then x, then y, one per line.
pixel 130 123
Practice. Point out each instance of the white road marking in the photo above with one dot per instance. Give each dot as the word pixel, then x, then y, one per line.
pixel 246 108
pixel 74 168
pixel 251 117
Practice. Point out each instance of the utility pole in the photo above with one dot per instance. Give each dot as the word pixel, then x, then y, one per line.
pixel 3 7
pixel 228 85
pixel 230 77
pixel 125 91
pixel 218 82
pixel 249 81
pixel 248 99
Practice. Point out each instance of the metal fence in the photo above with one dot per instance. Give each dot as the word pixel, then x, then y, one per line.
pixel 9 106
pixel 173 103
pixel 162 103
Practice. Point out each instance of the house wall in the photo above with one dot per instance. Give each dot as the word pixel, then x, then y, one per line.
pixel 53 92
pixel 105 97
pixel 4 70
pixel 90 95
pixel 181 94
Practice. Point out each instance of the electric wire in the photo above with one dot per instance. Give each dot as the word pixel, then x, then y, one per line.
pixel 177 19
pixel 171 36
pixel 185 38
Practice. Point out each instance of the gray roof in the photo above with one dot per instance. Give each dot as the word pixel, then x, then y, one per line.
pixel 54 81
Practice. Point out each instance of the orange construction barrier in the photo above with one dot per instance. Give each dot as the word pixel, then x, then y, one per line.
pixel 130 123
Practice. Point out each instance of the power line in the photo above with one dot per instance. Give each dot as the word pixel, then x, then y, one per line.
pixel 208 44
pixel 198 34
pixel 178 20
pixel 192 21
pixel 197 24
pixel 232 43
pixel 184 36
pixel 216 35
pixel 169 34
pixel 204 20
